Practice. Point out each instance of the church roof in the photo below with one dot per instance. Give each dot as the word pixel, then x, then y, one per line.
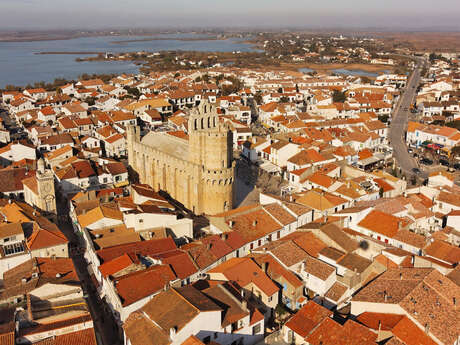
pixel 168 144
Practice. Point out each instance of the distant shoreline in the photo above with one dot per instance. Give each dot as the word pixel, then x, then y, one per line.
pixel 172 39
pixel 69 53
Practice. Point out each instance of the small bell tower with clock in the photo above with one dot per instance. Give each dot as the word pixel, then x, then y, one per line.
pixel 45 188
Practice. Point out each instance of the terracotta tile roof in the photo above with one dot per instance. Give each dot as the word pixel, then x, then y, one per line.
pixel 397 283
pixel 289 253
pixel 332 253
pixel 99 213
pixel 449 198
pixel 192 340
pixel 455 275
pixel 177 307
pixel 11 179
pixel 307 318
pixel 336 292
pixel 297 209
pixel 45 238
pixel 232 310
pixel 321 179
pixel 354 262
pixel 137 285
pixel 180 262
pixel 145 248
pixel 142 331
pixel 381 223
pixel 443 251
pixel 279 213
pixel 310 243
pixel 318 268
pixel 208 250
pixel 275 270
pixel 383 321
pixel 115 265
pixel 330 332
pixel 254 224
pixel 408 332
pixel 425 294
pixel 411 238
pixel 337 234
pixel 244 271
pixel 10 229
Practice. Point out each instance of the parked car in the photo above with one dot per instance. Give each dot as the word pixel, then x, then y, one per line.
pixel 410 150
pixel 426 161
pixel 444 162
pixel 456 166
pixel 416 170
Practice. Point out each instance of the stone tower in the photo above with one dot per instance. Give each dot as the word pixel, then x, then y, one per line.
pixel 211 147
pixel 45 187
pixel 197 171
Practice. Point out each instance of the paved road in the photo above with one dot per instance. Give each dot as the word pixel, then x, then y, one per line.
pixel 399 121
pixel 104 323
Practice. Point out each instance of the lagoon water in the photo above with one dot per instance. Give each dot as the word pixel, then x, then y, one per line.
pixel 358 72
pixel 19 65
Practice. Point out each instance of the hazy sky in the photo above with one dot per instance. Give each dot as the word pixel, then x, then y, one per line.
pixel 412 14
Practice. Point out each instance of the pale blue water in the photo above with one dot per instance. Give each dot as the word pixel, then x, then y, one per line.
pixel 358 72
pixel 20 66
pixel 306 70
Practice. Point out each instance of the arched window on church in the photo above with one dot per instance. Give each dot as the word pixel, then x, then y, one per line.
pixel 196 124
pixel 209 122
pixel 202 123
pixel 225 205
pixel 214 121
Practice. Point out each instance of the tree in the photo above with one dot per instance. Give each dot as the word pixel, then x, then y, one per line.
pixel 454 124
pixel 338 96
pixel 284 99
pixel 383 118
pixel 433 57
pixel 454 153
pixel 133 91
pixel 258 98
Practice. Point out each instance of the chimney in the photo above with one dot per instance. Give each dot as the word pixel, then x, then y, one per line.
pixel 231 223
pixel 254 223
pixel 385 296
pixel 400 225
pixel 400 276
pixel 209 246
pixel 427 328
pixel 172 332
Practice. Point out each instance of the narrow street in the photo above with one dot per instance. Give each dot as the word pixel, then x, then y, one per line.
pixel 399 122
pixel 104 323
